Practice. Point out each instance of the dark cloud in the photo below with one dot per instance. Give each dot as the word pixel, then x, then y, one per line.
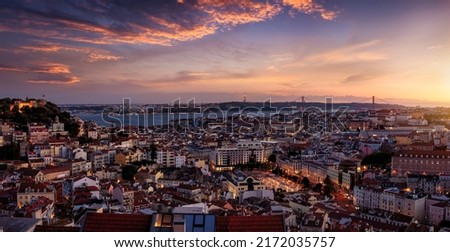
pixel 194 77
pixel 356 78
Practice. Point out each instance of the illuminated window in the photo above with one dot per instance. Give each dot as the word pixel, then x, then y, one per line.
pixel 163 220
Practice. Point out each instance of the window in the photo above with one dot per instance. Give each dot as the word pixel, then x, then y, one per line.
pixel 163 220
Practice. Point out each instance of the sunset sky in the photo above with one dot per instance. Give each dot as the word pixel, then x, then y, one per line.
pixel 96 51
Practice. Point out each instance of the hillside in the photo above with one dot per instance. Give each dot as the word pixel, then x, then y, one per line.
pixel 43 114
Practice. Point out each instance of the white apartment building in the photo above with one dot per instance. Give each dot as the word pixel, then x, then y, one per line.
pixel 291 166
pixel 79 153
pixel 93 134
pixel 180 161
pixel 392 200
pixel 165 158
pixel 241 153
pixel 238 182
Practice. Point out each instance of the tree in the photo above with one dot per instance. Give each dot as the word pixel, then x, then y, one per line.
pixel 128 172
pixel 377 160
pixel 294 153
pixel 85 140
pixel 272 158
pixel 252 162
pixel 327 181
pixel 142 162
pixel 73 128
pixel 318 188
pixel 122 134
pixel 10 152
pixel 306 183
pixel 153 152
pixel 277 171
pixel 329 187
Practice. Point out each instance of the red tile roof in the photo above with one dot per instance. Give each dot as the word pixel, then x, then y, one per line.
pixel 54 169
pixel 106 222
pixel 27 172
pixel 40 228
pixel 57 141
pixel 92 188
pixel 257 223
pixel 36 186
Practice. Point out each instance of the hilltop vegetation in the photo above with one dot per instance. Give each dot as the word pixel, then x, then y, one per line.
pixel 45 114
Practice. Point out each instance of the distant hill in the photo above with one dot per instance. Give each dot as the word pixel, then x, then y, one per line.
pixel 97 108
pixel 279 105
pixel 45 114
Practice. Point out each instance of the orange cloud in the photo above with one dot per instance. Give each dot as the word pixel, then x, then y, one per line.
pixel 100 57
pixel 93 54
pixel 139 23
pixel 48 73
pixel 238 12
pixel 170 31
pixel 43 48
pixel 54 69
pixel 60 80
pixel 50 68
pixel 311 7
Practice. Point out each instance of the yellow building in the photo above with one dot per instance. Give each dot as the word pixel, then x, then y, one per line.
pixel 403 140
pixel 31 189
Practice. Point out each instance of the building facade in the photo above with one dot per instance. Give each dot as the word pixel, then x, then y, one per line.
pixel 420 162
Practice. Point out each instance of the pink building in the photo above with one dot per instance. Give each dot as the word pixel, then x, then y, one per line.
pixel 38 133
